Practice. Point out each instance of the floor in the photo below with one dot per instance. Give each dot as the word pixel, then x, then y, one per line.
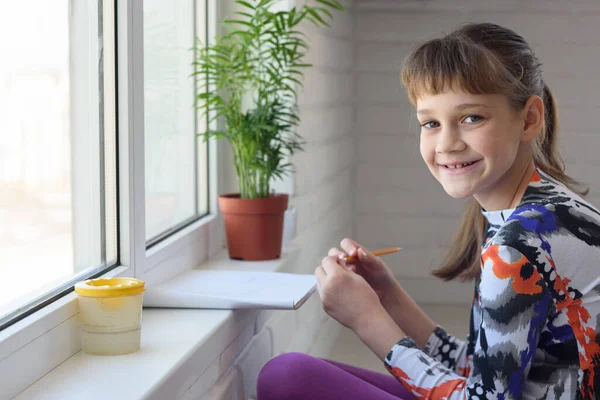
pixel 350 350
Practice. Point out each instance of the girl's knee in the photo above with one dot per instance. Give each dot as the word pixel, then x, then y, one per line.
pixel 285 366
pixel 285 376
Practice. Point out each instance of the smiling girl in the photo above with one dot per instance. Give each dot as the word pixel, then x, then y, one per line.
pixel 529 242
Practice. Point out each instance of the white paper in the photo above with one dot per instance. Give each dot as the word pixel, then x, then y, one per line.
pixel 231 290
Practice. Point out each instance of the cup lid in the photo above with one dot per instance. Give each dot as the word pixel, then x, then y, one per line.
pixel 109 287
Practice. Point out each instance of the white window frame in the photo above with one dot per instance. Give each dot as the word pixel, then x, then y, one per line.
pixel 35 345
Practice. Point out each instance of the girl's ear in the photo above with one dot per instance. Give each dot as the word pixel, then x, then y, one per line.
pixel 533 118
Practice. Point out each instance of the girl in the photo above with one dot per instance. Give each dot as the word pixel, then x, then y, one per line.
pixel 530 243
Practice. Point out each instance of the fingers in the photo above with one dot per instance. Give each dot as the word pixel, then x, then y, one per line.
pixel 341 255
pixel 332 265
pixel 335 252
pixel 320 273
pixel 363 255
pixel 328 268
pixel 351 247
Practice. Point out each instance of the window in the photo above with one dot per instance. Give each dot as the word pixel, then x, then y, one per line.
pixel 176 161
pixel 63 171
pixel 58 164
pixel 78 169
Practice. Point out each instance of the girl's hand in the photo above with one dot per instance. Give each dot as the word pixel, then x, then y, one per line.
pixel 377 274
pixel 346 296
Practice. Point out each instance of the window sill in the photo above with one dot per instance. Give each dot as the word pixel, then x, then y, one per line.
pixel 177 347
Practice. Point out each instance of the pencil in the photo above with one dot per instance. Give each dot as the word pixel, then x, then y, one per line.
pixel 375 253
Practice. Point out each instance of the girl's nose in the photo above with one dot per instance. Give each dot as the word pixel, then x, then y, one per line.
pixel 449 141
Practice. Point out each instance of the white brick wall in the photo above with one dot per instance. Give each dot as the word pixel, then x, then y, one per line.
pixel 326 170
pixel 397 202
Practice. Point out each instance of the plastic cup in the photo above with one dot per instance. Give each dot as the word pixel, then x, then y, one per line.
pixel 111 313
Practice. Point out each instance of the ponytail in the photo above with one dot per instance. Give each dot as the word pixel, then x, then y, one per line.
pixel 545 153
pixel 550 121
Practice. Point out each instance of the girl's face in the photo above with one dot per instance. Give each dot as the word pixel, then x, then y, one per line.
pixel 469 142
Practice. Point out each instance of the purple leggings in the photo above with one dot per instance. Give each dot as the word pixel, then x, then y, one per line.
pixel 297 376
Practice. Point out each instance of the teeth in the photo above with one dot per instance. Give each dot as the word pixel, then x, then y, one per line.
pixel 458 165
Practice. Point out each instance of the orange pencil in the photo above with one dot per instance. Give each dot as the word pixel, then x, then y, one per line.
pixel 375 253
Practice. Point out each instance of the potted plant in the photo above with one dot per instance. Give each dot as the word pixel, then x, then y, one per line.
pixel 248 81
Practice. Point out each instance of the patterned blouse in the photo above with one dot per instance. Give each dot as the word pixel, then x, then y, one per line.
pixel 534 330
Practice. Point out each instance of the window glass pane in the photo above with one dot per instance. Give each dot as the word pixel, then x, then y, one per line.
pixel 55 149
pixel 109 118
pixel 202 120
pixel 175 175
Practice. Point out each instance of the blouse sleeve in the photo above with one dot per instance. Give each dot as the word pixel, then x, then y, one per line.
pixel 515 303
pixel 448 350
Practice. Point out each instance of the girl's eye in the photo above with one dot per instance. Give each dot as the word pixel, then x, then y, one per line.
pixel 430 124
pixel 473 119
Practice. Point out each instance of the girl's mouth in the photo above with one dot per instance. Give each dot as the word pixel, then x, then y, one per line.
pixel 461 167
pixel 458 166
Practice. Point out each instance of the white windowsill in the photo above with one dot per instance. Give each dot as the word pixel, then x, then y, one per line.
pixel 172 340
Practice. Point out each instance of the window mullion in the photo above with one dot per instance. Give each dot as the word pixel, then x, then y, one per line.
pixel 85 146
pixel 131 134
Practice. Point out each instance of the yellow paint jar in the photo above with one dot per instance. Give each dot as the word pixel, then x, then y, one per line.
pixel 111 315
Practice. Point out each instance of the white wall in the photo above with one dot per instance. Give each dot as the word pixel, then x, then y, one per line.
pixel 397 201
pixel 325 175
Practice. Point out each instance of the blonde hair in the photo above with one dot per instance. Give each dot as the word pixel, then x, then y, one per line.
pixel 484 58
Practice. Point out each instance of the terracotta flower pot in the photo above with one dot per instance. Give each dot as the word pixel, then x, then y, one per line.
pixel 254 227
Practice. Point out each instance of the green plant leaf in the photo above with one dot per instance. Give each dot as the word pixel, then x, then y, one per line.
pixel 265 4
pixel 245 4
pixel 261 57
pixel 324 11
pixel 332 3
pixel 244 14
pixel 316 15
